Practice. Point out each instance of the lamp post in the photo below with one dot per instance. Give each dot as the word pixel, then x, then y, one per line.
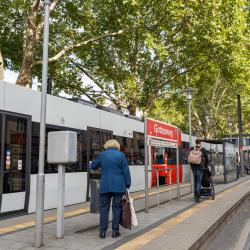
pixel 230 123
pixel 40 176
pixel 189 95
pixel 240 144
pixel 146 160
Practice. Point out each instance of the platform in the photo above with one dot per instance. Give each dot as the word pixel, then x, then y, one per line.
pixel 174 225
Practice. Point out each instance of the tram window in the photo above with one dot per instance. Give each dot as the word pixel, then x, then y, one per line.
pixel 15 154
pixel 247 141
pixel 138 148
pixel 126 147
pixel 95 144
pixel 80 165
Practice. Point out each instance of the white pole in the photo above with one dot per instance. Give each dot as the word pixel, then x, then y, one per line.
pixel 40 176
pixel 170 180
pixel 190 141
pixel 146 161
pixel 158 193
pixel 60 202
pixel 178 168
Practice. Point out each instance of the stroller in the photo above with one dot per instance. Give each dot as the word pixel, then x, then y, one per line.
pixel 207 185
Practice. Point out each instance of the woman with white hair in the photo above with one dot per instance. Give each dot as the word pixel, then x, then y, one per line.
pixel 115 179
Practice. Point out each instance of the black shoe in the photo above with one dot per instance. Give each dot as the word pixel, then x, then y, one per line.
pixel 102 235
pixel 115 234
pixel 196 197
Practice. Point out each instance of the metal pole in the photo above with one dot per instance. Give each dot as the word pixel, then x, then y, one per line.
pixel 60 202
pixel 178 168
pixel 240 136
pixel 40 176
pixel 158 194
pixel 190 141
pixel 170 184
pixel 146 161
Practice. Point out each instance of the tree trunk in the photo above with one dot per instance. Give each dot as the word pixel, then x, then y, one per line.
pixel 25 75
pixel 132 108
pixel 1 67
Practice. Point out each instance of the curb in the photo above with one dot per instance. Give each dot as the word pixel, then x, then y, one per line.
pixel 203 241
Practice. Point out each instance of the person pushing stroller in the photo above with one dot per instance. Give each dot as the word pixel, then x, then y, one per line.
pixel 198 159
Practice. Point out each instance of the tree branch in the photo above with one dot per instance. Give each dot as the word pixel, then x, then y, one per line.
pixel 41 24
pixel 108 93
pixel 69 48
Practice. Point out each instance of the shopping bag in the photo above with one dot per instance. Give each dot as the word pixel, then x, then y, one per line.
pixel 134 220
pixel 126 221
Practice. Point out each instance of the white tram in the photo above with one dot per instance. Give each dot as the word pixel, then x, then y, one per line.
pixel 19 146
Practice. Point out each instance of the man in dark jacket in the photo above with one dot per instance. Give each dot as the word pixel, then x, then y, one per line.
pixel 197 169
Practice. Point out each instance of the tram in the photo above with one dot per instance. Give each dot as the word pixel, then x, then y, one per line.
pixel 94 125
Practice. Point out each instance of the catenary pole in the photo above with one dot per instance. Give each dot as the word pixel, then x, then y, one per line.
pixel 146 161
pixel 40 176
pixel 189 98
pixel 240 144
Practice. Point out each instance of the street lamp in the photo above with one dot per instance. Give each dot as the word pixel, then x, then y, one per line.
pixel 240 145
pixel 230 123
pixel 189 95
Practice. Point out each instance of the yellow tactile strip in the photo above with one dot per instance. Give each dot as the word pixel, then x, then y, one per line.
pixel 47 219
pixel 142 240
pixel 68 214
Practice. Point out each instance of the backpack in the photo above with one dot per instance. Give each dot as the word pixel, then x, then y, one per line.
pixel 195 157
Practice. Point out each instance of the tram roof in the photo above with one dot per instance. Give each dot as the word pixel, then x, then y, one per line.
pixel 91 104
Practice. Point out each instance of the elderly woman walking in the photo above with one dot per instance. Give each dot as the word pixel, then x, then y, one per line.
pixel 115 179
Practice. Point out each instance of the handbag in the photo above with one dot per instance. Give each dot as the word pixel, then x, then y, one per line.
pixel 134 220
pixel 126 221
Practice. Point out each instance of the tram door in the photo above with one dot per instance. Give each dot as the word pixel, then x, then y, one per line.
pixel 96 139
pixel 14 166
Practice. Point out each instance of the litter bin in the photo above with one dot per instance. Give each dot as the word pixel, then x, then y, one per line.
pixel 95 177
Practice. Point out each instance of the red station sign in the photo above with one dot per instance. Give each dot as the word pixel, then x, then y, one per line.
pixel 162 130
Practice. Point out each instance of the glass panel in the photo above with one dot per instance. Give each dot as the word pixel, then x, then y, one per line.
pixel 105 137
pixel 15 154
pixel 95 143
pixel 138 148
pixel 127 148
pixel 170 154
pixel 97 138
pixel 184 152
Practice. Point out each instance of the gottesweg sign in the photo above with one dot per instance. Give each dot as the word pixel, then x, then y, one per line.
pixel 161 130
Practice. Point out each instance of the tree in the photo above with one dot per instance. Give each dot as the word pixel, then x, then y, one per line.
pixel 72 26
pixel 134 68
pixel 137 52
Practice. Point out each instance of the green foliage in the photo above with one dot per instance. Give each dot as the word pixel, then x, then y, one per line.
pixel 139 54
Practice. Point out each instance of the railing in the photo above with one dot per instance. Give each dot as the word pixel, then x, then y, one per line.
pixel 170 181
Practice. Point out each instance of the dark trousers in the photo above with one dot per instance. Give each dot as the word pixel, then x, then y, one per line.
pixel 105 200
pixel 197 172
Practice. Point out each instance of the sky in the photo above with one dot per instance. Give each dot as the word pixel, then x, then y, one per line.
pixel 10 76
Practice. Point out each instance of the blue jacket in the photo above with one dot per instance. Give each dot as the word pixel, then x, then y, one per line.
pixel 114 169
